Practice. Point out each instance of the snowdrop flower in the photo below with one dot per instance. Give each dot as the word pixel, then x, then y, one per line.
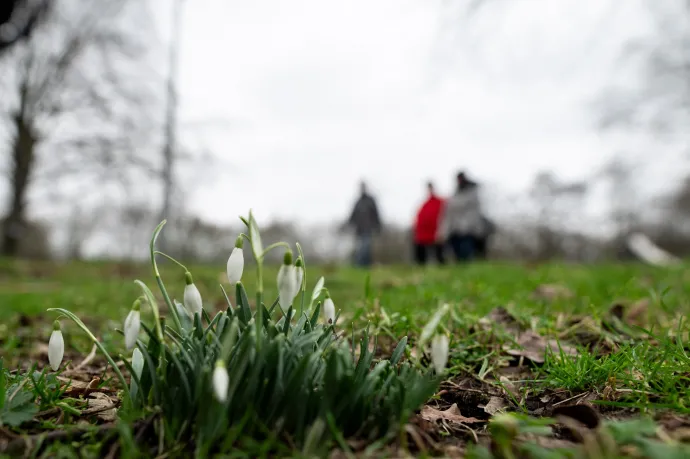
pixel 299 275
pixel 439 352
pixel 192 297
pixel 328 309
pixel 220 381
pixel 132 325
pixel 236 262
pixel 56 347
pixel 286 280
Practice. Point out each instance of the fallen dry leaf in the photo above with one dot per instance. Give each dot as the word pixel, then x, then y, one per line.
pixel 533 347
pixel 495 405
pixel 509 387
pixel 500 315
pixel 637 312
pixel 452 414
pixel 102 406
pixel 553 292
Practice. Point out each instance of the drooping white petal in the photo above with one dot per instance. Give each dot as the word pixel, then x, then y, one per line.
pixel 192 299
pixel 235 265
pixel 439 352
pixel 56 349
pixel 132 326
pixel 299 275
pixel 286 286
pixel 220 382
pixel 329 310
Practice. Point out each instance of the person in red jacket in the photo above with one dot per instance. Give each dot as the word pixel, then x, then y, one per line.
pixel 425 228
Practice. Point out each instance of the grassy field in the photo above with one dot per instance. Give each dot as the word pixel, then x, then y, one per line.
pixel 598 351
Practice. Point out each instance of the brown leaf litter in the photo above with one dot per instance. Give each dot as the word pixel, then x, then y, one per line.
pixel 533 346
pixel 552 292
pixel 452 414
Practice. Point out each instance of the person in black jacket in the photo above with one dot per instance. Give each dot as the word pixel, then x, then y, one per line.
pixel 366 222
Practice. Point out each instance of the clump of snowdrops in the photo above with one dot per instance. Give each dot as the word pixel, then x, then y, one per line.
pixel 277 369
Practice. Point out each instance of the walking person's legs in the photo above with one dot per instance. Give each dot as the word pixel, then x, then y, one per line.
pixel 439 253
pixel 363 255
pixel 463 246
pixel 479 247
pixel 420 254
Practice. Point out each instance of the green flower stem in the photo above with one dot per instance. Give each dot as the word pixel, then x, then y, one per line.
pixel 275 245
pixel 156 252
pixel 151 300
pixel 161 286
pixel 302 287
pixel 98 344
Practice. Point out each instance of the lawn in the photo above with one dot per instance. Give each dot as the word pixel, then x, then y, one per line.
pixel 591 361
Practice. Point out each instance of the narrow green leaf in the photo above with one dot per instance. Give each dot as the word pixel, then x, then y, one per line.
pixel 182 375
pixel 227 299
pixel 243 303
pixel 399 350
pixel 315 315
pixel 317 290
pixel 255 238
pixel 430 327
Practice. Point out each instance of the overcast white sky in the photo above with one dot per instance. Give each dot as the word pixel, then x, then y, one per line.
pixel 321 93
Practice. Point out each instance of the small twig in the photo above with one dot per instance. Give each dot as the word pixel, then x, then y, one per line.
pixel 8 433
pixel 48 412
pixel 20 444
pixel 112 454
pixel 19 386
pixel 571 398
pixel 98 409
pixel 412 432
pixel 83 363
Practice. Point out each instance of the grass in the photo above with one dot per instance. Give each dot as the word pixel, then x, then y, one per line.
pixel 532 340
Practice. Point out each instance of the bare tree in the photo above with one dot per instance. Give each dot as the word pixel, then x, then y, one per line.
pixel 19 19
pixel 76 113
pixel 558 204
pixel 660 103
pixel 170 135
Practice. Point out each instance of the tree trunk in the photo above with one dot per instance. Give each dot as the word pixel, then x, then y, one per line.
pixel 23 155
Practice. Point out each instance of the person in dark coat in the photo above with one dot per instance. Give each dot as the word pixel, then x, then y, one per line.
pixel 462 222
pixel 426 228
pixel 366 222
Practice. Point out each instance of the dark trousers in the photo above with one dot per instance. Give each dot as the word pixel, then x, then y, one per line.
pixel 480 247
pixel 421 252
pixel 463 246
pixel 363 250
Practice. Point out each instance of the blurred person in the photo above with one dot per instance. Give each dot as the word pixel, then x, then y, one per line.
pixel 462 222
pixel 366 223
pixel 481 242
pixel 426 228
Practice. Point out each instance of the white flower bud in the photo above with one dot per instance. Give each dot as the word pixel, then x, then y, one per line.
pixel 132 325
pixel 299 275
pixel 328 310
pixel 439 352
pixel 56 347
pixel 191 297
pixel 287 283
pixel 221 381
pixel 235 265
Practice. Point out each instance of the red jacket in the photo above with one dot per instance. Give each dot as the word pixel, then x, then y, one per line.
pixel 427 221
